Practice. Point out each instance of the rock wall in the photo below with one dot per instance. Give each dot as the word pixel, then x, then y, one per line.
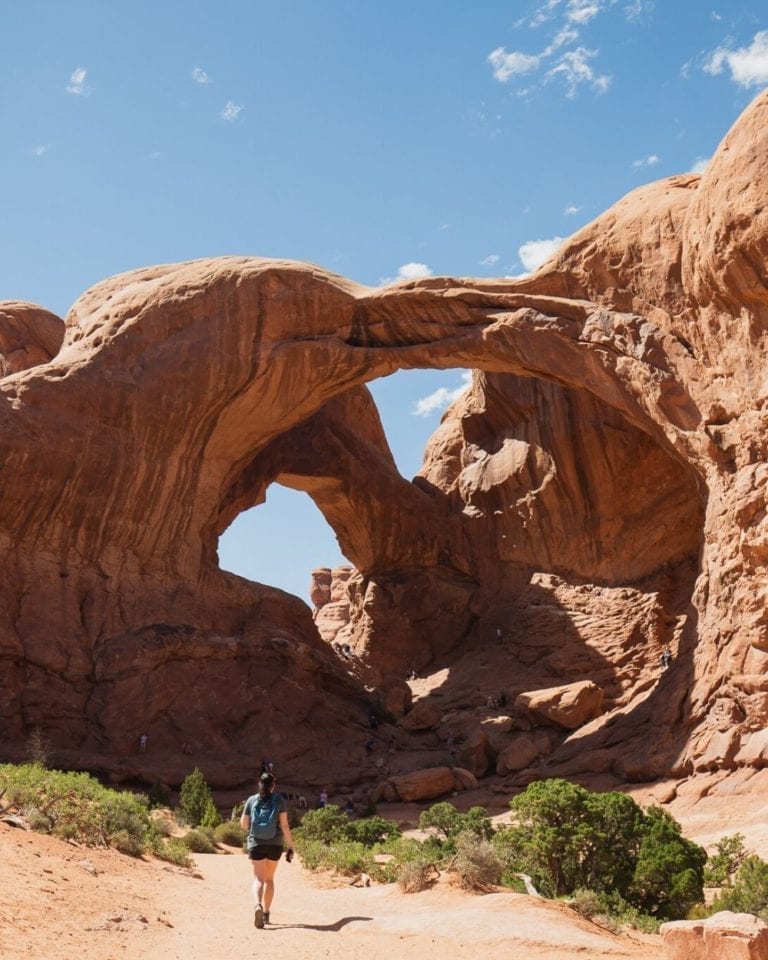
pixel 606 471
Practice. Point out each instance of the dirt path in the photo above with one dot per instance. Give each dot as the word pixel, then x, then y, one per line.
pixel 212 918
pixel 72 903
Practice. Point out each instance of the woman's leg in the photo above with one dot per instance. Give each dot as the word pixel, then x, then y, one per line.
pixel 263 882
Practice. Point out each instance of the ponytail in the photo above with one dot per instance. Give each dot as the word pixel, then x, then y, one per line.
pixel 266 785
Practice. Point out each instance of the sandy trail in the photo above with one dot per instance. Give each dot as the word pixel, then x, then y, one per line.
pixel 70 903
pixel 212 917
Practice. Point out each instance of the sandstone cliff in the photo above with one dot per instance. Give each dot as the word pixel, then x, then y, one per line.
pixel 598 495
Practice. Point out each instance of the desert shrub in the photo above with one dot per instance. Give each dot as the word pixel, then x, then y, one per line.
pixel 668 876
pixel 38 748
pixel 163 824
pixel 327 824
pixel 230 833
pixel 413 876
pixel 372 830
pixel 568 838
pixel 477 864
pixel 449 824
pixel 158 796
pixel 76 806
pixel 343 856
pixel 173 851
pixel 126 843
pixel 749 893
pixel 197 841
pixel 196 806
pixel 443 818
pixel 723 864
pixel 585 902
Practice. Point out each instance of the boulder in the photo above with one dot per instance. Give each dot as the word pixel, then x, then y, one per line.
pixel 569 706
pixel 464 780
pixel 422 716
pixel 521 750
pixel 723 936
pixel 320 586
pixel 424 784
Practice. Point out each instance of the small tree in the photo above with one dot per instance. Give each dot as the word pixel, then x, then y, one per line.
pixel 723 864
pixel 196 801
pixel 749 893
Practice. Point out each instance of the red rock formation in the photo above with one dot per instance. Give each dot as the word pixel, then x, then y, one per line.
pixel 599 494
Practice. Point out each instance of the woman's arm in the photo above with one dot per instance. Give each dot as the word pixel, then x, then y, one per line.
pixel 245 820
pixel 286 830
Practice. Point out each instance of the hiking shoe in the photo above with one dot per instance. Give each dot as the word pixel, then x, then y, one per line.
pixel 258 917
pixel 266 916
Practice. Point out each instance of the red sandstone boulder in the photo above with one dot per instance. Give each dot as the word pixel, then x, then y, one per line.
pixel 320 586
pixel 424 784
pixel 464 780
pixel 29 336
pixel 569 706
pixel 521 750
pixel 423 716
pixel 723 936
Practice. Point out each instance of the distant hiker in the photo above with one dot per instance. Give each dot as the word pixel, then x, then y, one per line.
pixel 302 802
pixel 143 743
pixel 499 635
pixel 265 818
pixel 411 675
pixel 502 699
pixel 186 749
pixel 349 807
pixel 665 659
pixel 323 799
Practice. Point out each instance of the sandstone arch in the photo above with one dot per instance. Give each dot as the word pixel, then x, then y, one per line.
pixel 178 390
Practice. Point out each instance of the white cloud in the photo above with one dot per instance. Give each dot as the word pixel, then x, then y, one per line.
pixel 574 69
pixel 506 65
pixel 748 65
pixel 633 11
pixel 408 271
pixel 700 165
pixel 571 210
pixel 716 15
pixel 649 161
pixel 39 150
pixel 441 398
pixel 200 76
pixel 231 110
pixel 534 253
pixel 413 271
pixel 77 85
pixel 582 11
pixel 490 260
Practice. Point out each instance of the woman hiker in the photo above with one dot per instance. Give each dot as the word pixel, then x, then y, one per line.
pixel 265 818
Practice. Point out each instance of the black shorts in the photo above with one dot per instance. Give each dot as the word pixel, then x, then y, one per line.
pixel 265 851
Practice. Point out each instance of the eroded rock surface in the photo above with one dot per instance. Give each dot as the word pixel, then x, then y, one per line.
pixel 597 496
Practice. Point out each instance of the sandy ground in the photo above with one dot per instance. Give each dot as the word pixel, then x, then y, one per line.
pixel 70 903
pixel 63 902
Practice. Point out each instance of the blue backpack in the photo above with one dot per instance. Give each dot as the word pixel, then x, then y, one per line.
pixel 264 817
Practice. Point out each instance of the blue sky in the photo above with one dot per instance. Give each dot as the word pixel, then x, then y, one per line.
pixel 376 139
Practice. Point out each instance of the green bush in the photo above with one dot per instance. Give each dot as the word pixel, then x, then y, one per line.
pixel 449 824
pixel 372 830
pixel 230 833
pixel 749 893
pixel 196 806
pixel 327 824
pixel 197 841
pixel 568 838
pixel 173 851
pixel 722 865
pixel 76 806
